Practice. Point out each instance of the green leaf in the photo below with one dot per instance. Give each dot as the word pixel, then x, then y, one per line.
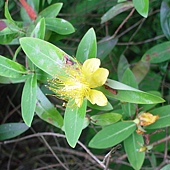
pixel 9 68
pixel 142 7
pixel 7 14
pixel 6 34
pixel 129 109
pixel 112 135
pixel 35 4
pixel 10 130
pixel 121 1
pixel 165 18
pixel 146 84
pixel 46 111
pixel 28 100
pixel 115 10
pixel 59 26
pixel 95 106
pixel 105 46
pixel 105 118
pixel 44 55
pixel 166 167
pixel 150 106
pixel 7 80
pixel 87 47
pixel 51 11
pixel 164 118
pixel 73 122
pixel 140 70
pixel 122 66
pixel 129 78
pixel 39 30
pixel 132 145
pixel 158 53
pixel 129 94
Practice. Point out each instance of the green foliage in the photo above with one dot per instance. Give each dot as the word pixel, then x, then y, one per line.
pixel 105 118
pixel 46 111
pixel 73 122
pixel 9 68
pixel 132 146
pixel 44 55
pixel 129 94
pixel 112 135
pixel 87 47
pixel 158 53
pixel 28 101
pixel 115 10
pixel 51 11
pixel 164 18
pixel 42 50
pixel 142 7
pixel 10 130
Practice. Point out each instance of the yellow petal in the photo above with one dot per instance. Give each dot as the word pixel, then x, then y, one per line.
pixel 98 78
pixel 90 66
pixel 147 118
pixel 97 97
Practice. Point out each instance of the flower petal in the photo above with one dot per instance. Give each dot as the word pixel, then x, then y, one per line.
pixel 90 66
pixel 147 118
pixel 97 97
pixel 98 78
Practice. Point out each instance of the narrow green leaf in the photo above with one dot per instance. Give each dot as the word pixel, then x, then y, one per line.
pixel 28 100
pixel 39 30
pixel 164 118
pixel 165 19
pixel 129 94
pixel 51 11
pixel 46 111
pixel 59 26
pixel 95 106
pixel 132 145
pixel 49 1
pixel 129 109
pixel 150 106
pixel 10 130
pixel 7 80
pixel 35 5
pixel 73 122
pixel 140 70
pixel 6 34
pixel 44 55
pixel 129 78
pixel 105 118
pixel 166 167
pixel 157 54
pixel 146 84
pixel 112 135
pixel 115 10
pixel 142 7
pixel 121 1
pixel 9 68
pixel 87 47
pixel 122 66
pixel 7 14
pixel 105 46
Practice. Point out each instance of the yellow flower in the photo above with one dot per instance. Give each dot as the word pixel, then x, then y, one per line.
pixel 147 118
pixel 144 119
pixel 79 81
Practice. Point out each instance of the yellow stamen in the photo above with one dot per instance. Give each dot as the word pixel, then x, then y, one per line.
pixel 78 81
